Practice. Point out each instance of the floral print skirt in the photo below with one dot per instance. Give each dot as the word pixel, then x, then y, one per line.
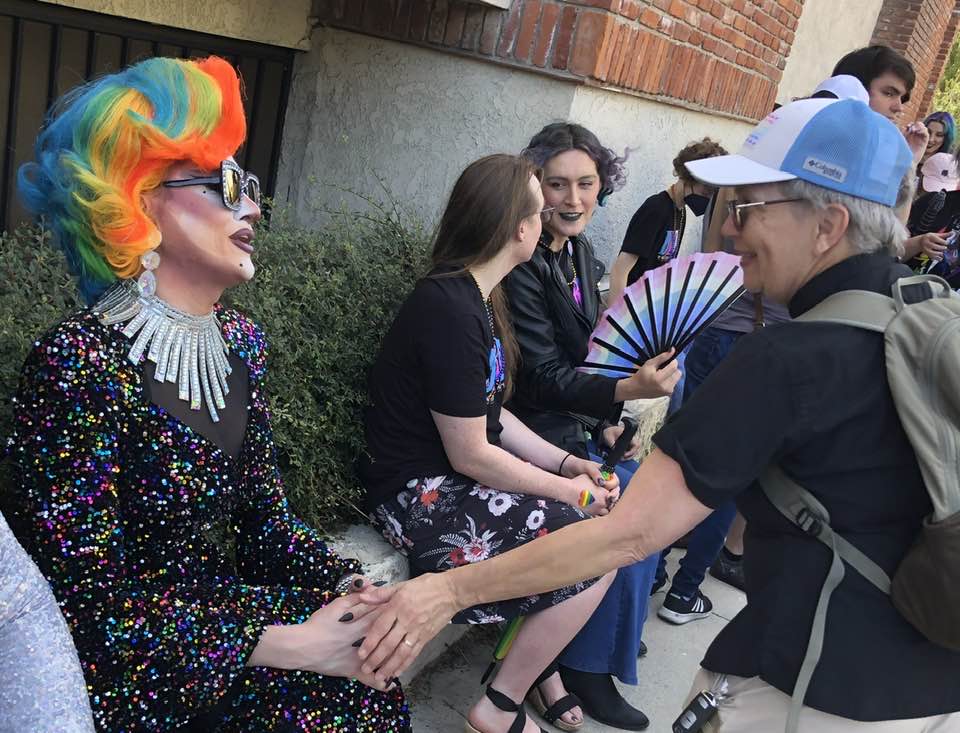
pixel 442 522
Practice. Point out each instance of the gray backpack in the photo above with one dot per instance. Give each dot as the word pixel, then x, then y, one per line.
pixel 922 344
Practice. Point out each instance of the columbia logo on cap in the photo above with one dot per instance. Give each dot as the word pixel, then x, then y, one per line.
pixel 827 170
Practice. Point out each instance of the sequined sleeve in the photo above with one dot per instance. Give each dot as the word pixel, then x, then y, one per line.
pixel 273 545
pixel 156 648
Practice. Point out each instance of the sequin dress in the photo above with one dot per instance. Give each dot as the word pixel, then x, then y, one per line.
pixel 129 510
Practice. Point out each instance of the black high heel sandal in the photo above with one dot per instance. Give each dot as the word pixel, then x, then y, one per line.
pixel 504 703
pixel 552 713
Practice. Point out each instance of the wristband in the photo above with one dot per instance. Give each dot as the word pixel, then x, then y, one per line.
pixel 560 470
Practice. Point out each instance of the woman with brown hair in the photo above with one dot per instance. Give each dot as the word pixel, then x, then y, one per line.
pixel 452 478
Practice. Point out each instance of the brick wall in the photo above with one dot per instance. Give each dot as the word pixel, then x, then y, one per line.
pixel 917 29
pixel 940 62
pixel 719 55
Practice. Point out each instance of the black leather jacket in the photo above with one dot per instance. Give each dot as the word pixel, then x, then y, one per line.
pixel 551 397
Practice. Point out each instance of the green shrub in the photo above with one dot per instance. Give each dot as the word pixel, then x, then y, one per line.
pixel 324 299
pixel 35 293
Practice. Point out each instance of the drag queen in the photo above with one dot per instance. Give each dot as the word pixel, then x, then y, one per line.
pixel 142 440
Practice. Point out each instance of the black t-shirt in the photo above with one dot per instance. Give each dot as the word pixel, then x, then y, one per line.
pixel 440 354
pixel 654 234
pixel 814 398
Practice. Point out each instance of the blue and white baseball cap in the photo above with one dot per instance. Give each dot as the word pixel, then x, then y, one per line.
pixel 840 144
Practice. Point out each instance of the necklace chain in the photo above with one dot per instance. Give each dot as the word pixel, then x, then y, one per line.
pixel 573 265
pixel 487 305
pixel 679 222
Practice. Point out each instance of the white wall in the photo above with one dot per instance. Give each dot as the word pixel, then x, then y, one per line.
pixel 655 133
pixel 363 108
pixel 828 29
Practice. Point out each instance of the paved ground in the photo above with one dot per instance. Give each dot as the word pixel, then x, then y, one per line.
pixel 442 693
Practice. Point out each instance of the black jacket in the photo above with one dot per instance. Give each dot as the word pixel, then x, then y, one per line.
pixel 551 397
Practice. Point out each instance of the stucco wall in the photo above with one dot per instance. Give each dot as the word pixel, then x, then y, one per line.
pixel 278 22
pixel 655 133
pixel 828 29
pixel 363 108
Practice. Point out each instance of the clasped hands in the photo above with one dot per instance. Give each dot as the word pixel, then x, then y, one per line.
pixel 329 642
pixel 391 625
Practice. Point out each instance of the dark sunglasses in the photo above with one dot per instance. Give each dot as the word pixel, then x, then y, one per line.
pixel 738 209
pixel 233 183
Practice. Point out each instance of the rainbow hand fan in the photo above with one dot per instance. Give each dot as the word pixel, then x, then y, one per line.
pixel 666 308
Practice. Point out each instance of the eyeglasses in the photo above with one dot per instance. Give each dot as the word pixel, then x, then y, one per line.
pixel 546 213
pixel 738 209
pixel 233 183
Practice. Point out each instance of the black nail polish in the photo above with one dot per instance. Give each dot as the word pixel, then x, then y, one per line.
pixel 358 583
pixel 345 617
pixel 358 642
pixel 380 583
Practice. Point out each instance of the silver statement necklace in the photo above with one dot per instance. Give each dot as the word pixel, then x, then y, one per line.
pixel 187 350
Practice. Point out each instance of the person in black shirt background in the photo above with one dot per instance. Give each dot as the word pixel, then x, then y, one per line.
pixel 452 477
pixel 816 185
pixel 656 230
pixel 555 304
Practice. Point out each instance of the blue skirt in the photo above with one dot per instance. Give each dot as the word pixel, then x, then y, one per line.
pixel 609 642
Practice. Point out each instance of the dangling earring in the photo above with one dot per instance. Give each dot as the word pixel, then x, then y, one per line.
pixel 147 281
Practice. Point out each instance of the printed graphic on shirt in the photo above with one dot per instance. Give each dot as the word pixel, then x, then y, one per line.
pixel 497 371
pixel 670 246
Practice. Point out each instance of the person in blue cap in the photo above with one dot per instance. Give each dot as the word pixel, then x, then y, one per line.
pixel 817 184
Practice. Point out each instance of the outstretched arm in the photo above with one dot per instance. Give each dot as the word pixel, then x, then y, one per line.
pixel 658 509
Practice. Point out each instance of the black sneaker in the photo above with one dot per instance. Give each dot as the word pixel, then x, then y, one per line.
pixel 658 585
pixel 678 610
pixel 728 571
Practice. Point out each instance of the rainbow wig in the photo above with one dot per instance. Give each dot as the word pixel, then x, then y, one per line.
pixel 949 129
pixel 106 142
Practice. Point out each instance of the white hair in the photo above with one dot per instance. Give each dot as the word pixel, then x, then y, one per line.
pixel 873 227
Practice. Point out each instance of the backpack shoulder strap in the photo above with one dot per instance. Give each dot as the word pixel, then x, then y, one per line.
pixel 859 308
pixel 873 311
pixel 804 511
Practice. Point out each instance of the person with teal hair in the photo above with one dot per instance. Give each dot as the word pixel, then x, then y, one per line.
pixel 142 450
